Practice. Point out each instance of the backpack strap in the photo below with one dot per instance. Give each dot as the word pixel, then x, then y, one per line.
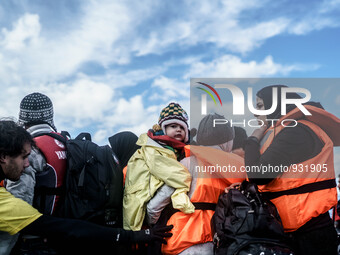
pixel 84 136
pixel 204 206
pixel 307 188
pixel 62 137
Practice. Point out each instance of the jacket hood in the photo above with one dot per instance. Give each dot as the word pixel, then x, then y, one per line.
pixel 144 140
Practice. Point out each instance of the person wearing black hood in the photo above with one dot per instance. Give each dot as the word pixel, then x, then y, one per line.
pixel 123 144
pixel 301 197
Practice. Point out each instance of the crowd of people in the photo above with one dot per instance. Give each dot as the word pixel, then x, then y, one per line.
pixel 167 205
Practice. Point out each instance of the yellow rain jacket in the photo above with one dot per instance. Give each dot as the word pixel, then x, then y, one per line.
pixel 148 169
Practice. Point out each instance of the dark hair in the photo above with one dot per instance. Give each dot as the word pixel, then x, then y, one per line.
pixel 13 138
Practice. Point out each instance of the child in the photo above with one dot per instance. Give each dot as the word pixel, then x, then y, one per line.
pixel 156 163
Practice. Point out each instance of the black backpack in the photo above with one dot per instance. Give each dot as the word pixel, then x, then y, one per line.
pixel 246 223
pixel 93 188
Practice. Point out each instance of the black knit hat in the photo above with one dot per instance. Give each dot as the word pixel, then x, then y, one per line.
pixel 207 134
pixel 36 107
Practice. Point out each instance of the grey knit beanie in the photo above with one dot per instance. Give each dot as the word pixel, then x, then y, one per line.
pixel 207 134
pixel 36 107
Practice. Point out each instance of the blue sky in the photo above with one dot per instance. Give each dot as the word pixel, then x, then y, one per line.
pixel 110 65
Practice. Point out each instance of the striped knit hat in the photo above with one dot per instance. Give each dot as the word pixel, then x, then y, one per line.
pixel 36 107
pixel 174 113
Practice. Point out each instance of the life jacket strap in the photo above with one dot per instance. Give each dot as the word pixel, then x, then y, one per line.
pixel 307 188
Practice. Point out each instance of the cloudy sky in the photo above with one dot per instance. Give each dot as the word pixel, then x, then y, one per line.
pixel 111 65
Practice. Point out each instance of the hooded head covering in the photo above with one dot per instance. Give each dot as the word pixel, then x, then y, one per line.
pixel 124 145
pixel 207 134
pixel 266 94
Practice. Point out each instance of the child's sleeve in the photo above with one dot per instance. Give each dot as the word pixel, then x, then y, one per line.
pixel 175 175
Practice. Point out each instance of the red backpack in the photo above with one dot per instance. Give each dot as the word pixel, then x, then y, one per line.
pixel 49 182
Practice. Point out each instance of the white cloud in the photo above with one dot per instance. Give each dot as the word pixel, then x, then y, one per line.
pixel 201 25
pixel 329 6
pixel 85 104
pixel 103 23
pixel 337 100
pixel 130 78
pixel 9 71
pixel 129 111
pixel 130 114
pixel 10 100
pixel 312 23
pixel 317 19
pixel 25 31
pixel 113 33
pixel 101 136
pixel 81 102
pixel 36 55
pixel 41 59
pixel 244 39
pixel 228 28
pixel 133 115
pixel 232 67
pixel 166 88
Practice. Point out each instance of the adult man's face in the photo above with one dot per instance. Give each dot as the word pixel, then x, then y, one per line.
pixel 13 167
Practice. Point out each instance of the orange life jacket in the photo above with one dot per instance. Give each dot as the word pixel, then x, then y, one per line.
pixel 124 175
pixel 191 229
pixel 298 207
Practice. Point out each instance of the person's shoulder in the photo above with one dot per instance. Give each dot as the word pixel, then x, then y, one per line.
pixel 37 160
pixel 4 192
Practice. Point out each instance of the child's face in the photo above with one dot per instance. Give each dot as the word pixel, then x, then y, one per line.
pixel 175 131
